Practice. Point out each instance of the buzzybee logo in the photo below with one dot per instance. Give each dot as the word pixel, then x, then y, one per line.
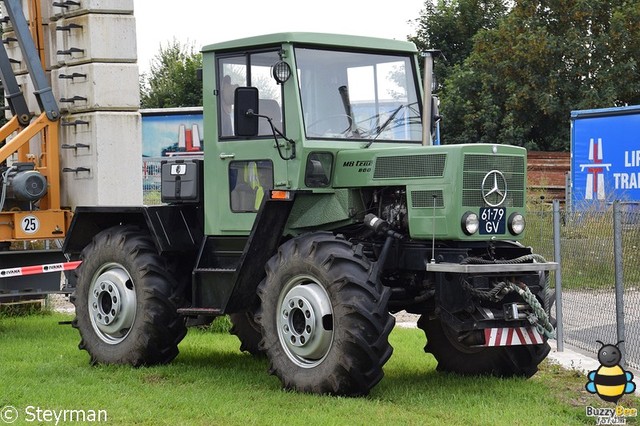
pixel 610 381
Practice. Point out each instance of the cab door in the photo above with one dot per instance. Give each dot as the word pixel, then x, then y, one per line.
pixel 246 167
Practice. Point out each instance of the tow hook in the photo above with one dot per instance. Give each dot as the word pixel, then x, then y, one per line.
pixel 516 311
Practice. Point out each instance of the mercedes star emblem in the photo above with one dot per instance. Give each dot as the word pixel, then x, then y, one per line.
pixel 494 188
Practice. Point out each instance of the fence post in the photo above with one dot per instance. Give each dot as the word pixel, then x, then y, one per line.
pixel 557 257
pixel 619 263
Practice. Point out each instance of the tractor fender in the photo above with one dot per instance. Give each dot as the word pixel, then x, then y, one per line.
pixel 173 228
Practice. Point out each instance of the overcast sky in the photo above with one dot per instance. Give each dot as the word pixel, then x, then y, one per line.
pixel 202 22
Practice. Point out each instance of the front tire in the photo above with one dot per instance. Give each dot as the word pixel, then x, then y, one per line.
pixel 126 301
pixel 454 357
pixel 325 325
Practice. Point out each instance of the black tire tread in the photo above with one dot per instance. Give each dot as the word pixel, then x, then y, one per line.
pixel 363 329
pixel 506 361
pixel 157 329
pixel 243 326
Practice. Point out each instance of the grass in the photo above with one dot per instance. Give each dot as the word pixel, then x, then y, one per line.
pixel 151 198
pixel 212 383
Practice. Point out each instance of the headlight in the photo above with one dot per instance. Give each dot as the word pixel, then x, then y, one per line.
pixel 516 223
pixel 470 223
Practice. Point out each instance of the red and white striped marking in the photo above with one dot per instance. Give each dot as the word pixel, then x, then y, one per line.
pixel 512 336
pixel 39 269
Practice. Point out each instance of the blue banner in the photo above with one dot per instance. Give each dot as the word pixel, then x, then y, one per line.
pixel 605 151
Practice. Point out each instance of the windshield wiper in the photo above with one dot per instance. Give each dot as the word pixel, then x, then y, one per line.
pixel 384 125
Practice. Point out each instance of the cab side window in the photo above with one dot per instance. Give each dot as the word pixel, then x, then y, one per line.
pixel 249 69
pixel 233 73
pixel 248 183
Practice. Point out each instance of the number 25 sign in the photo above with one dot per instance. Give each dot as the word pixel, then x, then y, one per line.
pixel 30 224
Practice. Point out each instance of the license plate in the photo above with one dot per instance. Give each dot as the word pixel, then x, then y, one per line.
pixel 492 220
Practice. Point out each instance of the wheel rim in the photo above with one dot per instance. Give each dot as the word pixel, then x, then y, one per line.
pixel 112 303
pixel 305 321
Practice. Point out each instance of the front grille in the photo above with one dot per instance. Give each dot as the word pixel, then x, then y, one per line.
pixel 410 166
pixel 425 199
pixel 475 168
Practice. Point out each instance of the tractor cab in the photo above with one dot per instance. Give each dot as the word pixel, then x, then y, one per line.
pixel 280 108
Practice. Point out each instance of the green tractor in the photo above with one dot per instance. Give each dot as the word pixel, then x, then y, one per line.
pixel 321 207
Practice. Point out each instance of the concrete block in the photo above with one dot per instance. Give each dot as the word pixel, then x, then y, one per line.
pixel 97 87
pixel 97 38
pixel 34 149
pixel 8 31
pixel 114 159
pixel 14 52
pixel 27 88
pixel 8 26
pixel 53 39
pixel 45 9
pixel 22 82
pixel 67 10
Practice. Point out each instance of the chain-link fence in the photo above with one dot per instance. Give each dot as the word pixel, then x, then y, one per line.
pixel 151 180
pixel 588 271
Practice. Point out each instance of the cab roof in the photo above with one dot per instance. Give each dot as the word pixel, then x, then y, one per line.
pixel 318 39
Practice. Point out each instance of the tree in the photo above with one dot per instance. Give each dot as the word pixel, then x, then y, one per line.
pixel 450 25
pixel 172 80
pixel 523 77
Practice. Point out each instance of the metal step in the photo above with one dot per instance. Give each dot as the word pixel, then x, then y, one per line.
pixel 199 311
pixel 209 270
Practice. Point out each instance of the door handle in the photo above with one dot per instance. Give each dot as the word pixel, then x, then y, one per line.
pixel 224 156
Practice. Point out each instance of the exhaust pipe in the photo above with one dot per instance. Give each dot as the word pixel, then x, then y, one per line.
pixel 426 99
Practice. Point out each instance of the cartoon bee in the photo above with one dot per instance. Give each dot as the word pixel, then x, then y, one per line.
pixel 610 381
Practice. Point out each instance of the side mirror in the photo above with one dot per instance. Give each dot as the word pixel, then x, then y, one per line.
pixel 245 111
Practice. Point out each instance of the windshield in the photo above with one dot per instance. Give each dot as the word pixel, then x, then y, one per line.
pixel 360 96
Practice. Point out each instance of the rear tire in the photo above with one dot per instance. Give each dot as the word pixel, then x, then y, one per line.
pixel 247 330
pixel 505 361
pixel 126 301
pixel 325 325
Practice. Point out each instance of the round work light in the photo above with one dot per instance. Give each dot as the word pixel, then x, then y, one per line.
pixel 281 71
